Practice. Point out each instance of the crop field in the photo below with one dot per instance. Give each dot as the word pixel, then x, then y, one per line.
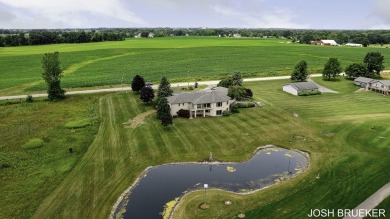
pixel 347 140
pixel 178 58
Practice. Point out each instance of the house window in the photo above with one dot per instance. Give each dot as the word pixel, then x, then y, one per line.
pixel 206 105
pixel 219 112
pixel 219 104
pixel 179 104
pixel 207 111
pixel 199 106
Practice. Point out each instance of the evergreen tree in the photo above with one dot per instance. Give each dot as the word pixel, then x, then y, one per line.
pixel 237 79
pixel 147 94
pixel 163 108
pixel 166 121
pixel 374 61
pixel 300 72
pixel 138 83
pixel 52 74
pixel 164 89
pixel 331 69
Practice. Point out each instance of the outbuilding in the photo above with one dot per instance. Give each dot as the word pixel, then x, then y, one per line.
pixel 298 87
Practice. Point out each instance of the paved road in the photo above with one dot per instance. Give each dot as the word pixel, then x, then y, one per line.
pixel 154 87
pixel 373 201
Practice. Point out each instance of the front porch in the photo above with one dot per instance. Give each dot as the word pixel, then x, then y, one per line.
pixel 379 90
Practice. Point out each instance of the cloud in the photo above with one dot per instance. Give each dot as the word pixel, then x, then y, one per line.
pixel 277 18
pixel 70 13
pixel 379 18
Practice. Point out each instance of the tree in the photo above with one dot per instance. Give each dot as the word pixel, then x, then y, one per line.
pixel 237 92
pixel 374 61
pixel 357 70
pixel 166 121
pixel 331 69
pixel 249 93
pixel 300 72
pixel 237 79
pixel 225 83
pixel 138 83
pixel 164 89
pixel 147 94
pixel 52 74
pixel 163 108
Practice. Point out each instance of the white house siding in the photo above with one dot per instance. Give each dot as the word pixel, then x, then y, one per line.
pixel 290 89
pixel 175 108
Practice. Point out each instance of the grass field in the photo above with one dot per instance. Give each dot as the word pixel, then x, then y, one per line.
pixel 27 176
pixel 179 58
pixel 346 137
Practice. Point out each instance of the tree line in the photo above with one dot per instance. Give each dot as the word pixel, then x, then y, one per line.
pixel 304 36
pixel 44 37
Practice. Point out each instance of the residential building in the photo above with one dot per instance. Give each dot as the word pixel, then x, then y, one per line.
pixel 354 45
pixel 329 43
pixel 206 103
pixel 381 86
pixel 297 87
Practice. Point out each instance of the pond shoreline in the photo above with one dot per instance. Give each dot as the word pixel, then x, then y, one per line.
pixel 122 198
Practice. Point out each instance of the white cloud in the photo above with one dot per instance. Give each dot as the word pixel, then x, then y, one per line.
pixel 278 18
pixel 379 18
pixel 68 13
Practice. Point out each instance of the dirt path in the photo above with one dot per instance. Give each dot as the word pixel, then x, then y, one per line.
pixel 138 120
pixel 373 201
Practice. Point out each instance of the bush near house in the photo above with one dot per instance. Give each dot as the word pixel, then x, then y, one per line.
pixel 309 93
pixel 183 113
pixel 226 113
pixel 244 105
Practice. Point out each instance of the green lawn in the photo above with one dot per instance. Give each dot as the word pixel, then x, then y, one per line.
pixel 179 58
pixel 346 138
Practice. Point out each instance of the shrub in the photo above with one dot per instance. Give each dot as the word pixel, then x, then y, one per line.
pixel 5 165
pixel 249 93
pixel 225 83
pixel 309 93
pixel 244 105
pixel 29 99
pixel 78 124
pixel 33 143
pixel 234 110
pixel 183 113
pixel 226 113
pixel 237 92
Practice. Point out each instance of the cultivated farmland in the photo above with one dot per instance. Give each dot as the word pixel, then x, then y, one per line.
pixel 180 59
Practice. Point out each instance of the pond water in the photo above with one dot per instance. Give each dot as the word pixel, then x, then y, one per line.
pixel 162 184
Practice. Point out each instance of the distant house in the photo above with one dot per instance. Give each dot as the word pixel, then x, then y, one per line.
pixel 236 35
pixel 205 103
pixel 354 45
pixel 297 87
pixel 381 86
pixel 329 43
pixel 151 35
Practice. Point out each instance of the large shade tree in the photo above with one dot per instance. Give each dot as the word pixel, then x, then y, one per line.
pixel 300 71
pixel 357 70
pixel 374 61
pixel 52 74
pixel 332 69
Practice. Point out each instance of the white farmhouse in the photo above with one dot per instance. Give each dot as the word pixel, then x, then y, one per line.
pixel 297 87
pixel 206 103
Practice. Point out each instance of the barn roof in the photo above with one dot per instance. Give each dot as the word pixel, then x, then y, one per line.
pixel 303 86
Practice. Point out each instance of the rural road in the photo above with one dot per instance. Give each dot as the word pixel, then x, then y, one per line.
pixel 154 87
pixel 373 201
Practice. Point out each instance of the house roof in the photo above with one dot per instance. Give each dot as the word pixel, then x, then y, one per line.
pixel 303 86
pixel 363 79
pixel 331 42
pixel 384 82
pixel 218 94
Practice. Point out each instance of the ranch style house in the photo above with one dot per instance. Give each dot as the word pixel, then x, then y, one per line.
pixel 381 86
pixel 206 103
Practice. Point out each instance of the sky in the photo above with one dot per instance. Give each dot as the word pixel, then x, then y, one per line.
pixel 297 14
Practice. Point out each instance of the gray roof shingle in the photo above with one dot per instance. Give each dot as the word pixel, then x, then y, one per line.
pixel 363 79
pixel 218 94
pixel 304 86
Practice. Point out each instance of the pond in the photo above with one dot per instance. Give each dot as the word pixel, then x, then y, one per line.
pixel 162 184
